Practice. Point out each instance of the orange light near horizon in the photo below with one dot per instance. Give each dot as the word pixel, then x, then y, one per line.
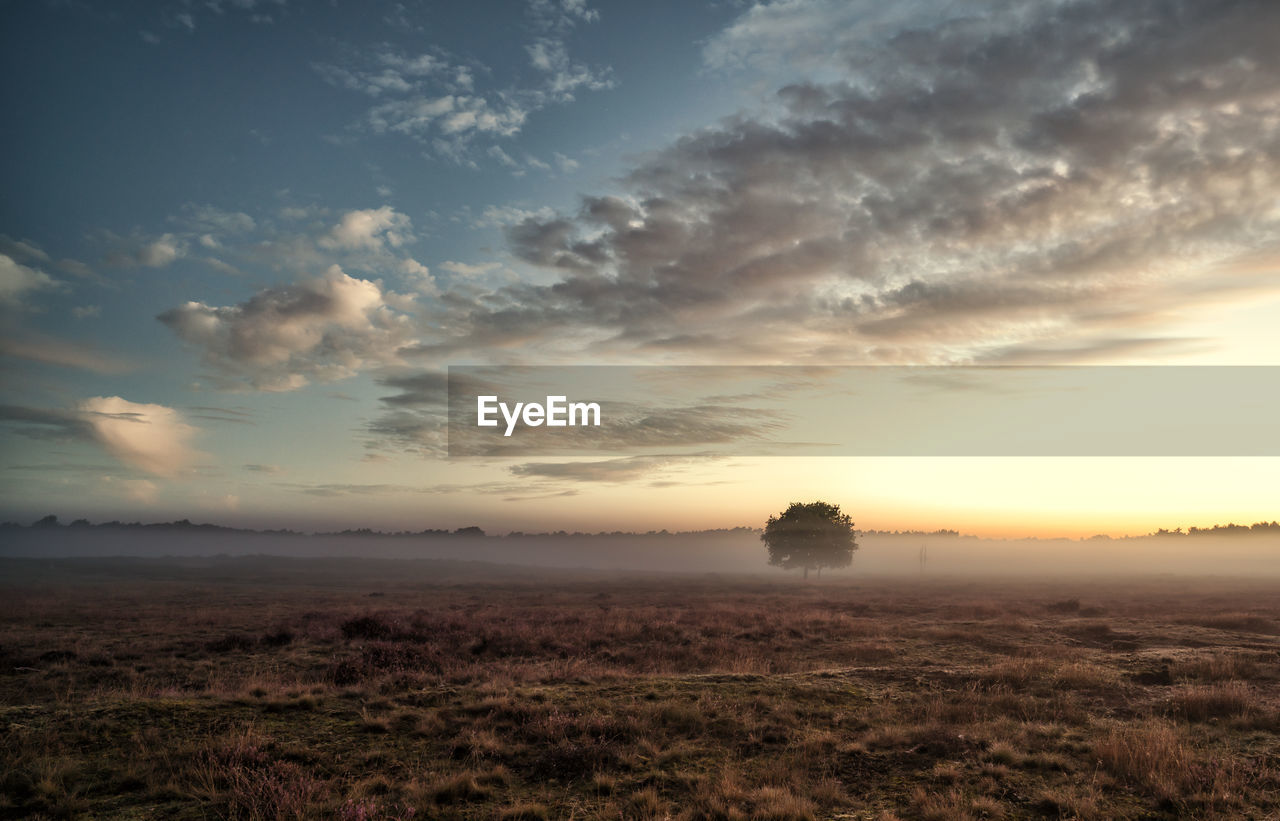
pixel 994 497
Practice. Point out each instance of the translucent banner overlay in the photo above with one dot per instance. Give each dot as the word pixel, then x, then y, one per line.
pixel 864 411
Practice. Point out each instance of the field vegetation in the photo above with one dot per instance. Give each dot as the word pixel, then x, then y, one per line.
pixel 258 688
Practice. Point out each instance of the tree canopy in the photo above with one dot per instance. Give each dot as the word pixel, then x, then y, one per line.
pixel 810 535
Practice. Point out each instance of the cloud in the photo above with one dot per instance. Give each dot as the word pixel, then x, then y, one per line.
pixel 153 438
pixel 626 469
pixel 135 251
pixel 947 191
pixel 212 220
pixel 502 157
pixel 512 491
pixel 464 269
pixel 299 212
pixel 77 268
pixel 45 423
pixel 221 267
pixel 417 275
pixel 458 117
pixel 565 164
pixel 187 16
pixel 429 94
pixel 822 34
pixel 235 416
pixel 21 249
pixel 325 328
pixel 372 83
pixel 270 470
pixel 564 76
pixel 17 281
pixel 86 311
pixel 550 15
pixel 494 216
pixel 161 252
pixel 370 230
pixel 433 96
pixel 632 426
pixel 661 418
pixel 414 419
pixel 64 353
pixel 339 490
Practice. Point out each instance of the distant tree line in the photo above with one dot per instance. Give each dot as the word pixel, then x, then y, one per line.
pixel 186 525
pixel 1257 528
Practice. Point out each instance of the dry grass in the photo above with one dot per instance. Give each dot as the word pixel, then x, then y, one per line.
pixel 1213 701
pixel 167 697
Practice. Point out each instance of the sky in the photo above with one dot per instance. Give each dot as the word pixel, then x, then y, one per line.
pixel 241 241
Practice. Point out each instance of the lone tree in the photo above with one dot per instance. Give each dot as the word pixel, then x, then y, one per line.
pixel 813 535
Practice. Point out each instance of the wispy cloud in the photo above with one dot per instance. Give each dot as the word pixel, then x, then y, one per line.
pixel 18 281
pixel 64 353
pixel 436 97
pixel 626 469
pixel 139 250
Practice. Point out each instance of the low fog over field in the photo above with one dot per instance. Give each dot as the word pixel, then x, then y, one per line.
pixel 726 551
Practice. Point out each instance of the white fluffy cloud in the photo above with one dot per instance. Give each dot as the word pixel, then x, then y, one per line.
pixel 324 328
pixel 153 438
pixel 161 252
pixel 371 229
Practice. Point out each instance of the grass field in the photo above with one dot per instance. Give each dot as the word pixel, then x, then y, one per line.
pixel 268 688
